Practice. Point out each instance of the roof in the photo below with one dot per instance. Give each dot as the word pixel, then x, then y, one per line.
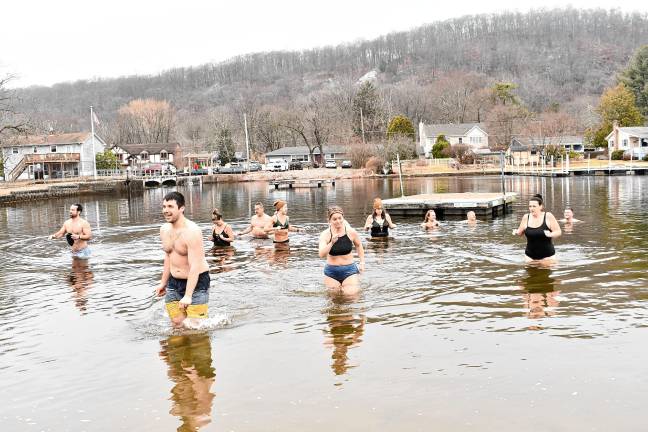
pixel 150 148
pixel 638 131
pixel 303 150
pixel 533 143
pixel 451 129
pixel 57 139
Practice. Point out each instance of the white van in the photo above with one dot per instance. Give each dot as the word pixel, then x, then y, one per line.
pixel 280 165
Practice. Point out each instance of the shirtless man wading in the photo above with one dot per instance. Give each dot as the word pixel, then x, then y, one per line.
pixel 185 278
pixel 258 223
pixel 77 232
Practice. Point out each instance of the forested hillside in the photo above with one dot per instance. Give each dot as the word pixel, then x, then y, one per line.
pixel 559 61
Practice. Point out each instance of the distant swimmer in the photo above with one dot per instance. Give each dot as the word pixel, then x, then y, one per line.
pixel 539 227
pixel 471 218
pixel 379 222
pixel 257 223
pixel 569 216
pixel 430 220
pixel 222 233
pixel 279 223
pixel 185 279
pixel 77 232
pixel 336 244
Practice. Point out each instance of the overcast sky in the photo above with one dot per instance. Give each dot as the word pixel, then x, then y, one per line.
pixel 43 41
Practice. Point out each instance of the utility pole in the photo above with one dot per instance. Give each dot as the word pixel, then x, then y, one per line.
pixel 247 143
pixel 362 127
pixel 94 156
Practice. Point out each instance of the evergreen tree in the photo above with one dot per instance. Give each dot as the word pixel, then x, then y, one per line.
pixel 107 160
pixel 367 101
pixel 401 125
pixel 441 147
pixel 635 77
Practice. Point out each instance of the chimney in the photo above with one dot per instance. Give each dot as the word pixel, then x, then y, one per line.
pixel 615 131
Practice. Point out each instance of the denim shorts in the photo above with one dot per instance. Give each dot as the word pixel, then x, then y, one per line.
pixel 340 272
pixel 176 289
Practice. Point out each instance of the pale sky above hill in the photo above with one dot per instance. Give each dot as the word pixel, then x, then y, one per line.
pixel 43 42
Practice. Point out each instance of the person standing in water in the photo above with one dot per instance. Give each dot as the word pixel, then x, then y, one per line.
pixel 257 223
pixel 430 221
pixel 222 233
pixel 279 223
pixel 185 278
pixel 539 227
pixel 379 222
pixel 77 232
pixel 471 218
pixel 336 244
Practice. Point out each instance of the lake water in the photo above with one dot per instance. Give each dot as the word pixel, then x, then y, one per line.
pixel 451 331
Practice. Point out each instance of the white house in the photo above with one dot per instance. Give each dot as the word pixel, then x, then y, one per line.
pixel 139 155
pixel 51 156
pixel 524 150
pixel 471 134
pixel 633 140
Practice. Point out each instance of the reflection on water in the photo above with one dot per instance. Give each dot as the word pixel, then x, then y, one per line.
pixel 189 358
pixel 344 331
pixel 80 279
pixel 220 259
pixel 540 296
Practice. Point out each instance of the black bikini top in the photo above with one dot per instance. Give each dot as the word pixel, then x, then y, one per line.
pixel 280 225
pixel 343 245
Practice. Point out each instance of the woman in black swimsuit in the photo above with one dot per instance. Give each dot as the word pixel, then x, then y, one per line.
pixel 222 233
pixel 539 227
pixel 379 221
pixel 336 244
pixel 279 223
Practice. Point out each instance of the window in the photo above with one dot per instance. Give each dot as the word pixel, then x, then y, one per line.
pixel 460 140
pixel 53 149
pixel 35 149
pixel 625 143
pixel 475 140
pixel 14 150
pixel 163 155
pixel 144 155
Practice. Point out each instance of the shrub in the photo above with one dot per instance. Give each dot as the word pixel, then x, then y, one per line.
pixel 626 157
pixel 617 154
pixel 462 154
pixel 645 158
pixel 360 154
pixel 440 146
pixel 375 164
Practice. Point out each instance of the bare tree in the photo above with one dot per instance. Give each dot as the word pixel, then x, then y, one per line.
pixel 10 119
pixel 146 121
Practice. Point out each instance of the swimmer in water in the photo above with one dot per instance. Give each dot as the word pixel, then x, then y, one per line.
pixel 222 233
pixel 539 227
pixel 77 232
pixel 379 221
pixel 336 244
pixel 185 279
pixel 569 216
pixel 471 218
pixel 257 223
pixel 279 223
pixel 430 220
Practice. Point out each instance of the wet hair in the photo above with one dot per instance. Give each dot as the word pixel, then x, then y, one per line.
pixel 377 204
pixel 216 214
pixel 79 207
pixel 537 198
pixel 260 204
pixel 334 209
pixel 570 209
pixel 425 219
pixel 278 204
pixel 175 196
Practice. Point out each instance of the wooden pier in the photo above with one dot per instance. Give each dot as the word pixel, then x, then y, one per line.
pixel 452 205
pixel 295 184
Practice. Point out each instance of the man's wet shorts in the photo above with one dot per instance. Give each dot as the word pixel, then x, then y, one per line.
pixel 82 253
pixel 176 290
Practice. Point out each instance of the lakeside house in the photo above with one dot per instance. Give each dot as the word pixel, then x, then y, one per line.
pixel 141 155
pixel 51 156
pixel 301 153
pixel 632 140
pixel 525 150
pixel 473 135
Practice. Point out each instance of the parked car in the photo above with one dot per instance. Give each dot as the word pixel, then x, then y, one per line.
pixel 200 171
pixel 295 165
pixel 330 163
pixel 255 166
pixel 347 164
pixel 278 166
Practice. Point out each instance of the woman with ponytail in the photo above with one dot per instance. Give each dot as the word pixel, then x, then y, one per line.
pixel 539 227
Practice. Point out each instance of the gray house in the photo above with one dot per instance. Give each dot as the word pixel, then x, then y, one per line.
pixel 51 156
pixel 301 153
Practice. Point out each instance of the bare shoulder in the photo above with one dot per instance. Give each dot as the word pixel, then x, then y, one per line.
pixel 85 223
pixel 324 233
pixel 165 229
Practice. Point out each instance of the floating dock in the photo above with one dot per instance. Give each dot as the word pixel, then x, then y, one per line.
pixel 294 184
pixel 452 205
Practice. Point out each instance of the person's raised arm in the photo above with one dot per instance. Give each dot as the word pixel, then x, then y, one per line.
pixel 268 228
pixel 58 234
pixel 230 235
pixel 86 233
pixel 522 227
pixel 389 221
pixel 195 256
pixel 554 226
pixel 327 240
